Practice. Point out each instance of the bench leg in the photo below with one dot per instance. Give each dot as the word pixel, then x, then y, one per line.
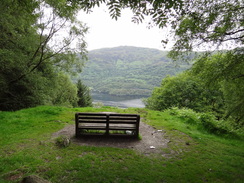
pixel 107 125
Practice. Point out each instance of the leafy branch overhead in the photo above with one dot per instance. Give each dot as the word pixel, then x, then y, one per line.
pixel 158 10
pixel 193 22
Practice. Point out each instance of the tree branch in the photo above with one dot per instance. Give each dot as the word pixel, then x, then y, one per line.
pixel 42 47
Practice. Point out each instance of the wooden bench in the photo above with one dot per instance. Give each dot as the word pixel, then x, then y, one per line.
pixel 107 124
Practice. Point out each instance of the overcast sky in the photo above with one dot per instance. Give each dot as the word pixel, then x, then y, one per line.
pixel 105 32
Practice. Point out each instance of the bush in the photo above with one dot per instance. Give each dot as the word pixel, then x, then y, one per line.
pixel 188 115
pixel 210 124
pixel 204 121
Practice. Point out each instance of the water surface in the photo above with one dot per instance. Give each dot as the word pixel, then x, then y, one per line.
pixel 117 101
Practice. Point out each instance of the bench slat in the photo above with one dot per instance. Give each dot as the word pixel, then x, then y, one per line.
pixel 104 128
pixel 91 114
pixel 92 117
pixel 92 128
pixel 109 122
pixel 123 114
pixel 134 119
pixel 122 122
pixel 95 121
pixel 121 128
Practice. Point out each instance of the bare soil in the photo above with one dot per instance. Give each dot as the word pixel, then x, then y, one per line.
pixel 152 142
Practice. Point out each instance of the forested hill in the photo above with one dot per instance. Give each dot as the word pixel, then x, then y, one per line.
pixel 128 70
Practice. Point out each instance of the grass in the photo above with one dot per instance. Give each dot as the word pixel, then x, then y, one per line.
pixel 194 155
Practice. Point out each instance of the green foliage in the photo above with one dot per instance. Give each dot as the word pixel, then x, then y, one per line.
pixel 17 41
pixel 32 58
pixel 214 84
pixel 159 10
pixel 204 121
pixel 83 94
pixel 64 92
pixel 128 70
pixel 29 91
pixel 183 90
pixel 208 23
pixel 224 72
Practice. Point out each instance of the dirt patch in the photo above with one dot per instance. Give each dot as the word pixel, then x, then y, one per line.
pixel 152 142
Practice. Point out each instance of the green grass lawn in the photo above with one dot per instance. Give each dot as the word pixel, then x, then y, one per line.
pixel 26 148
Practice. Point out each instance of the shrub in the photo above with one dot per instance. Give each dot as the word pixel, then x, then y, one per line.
pixel 204 121
pixel 188 115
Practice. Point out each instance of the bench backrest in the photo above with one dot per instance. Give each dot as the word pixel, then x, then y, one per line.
pixel 109 123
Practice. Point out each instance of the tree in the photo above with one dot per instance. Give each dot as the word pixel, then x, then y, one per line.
pixel 226 72
pixel 213 84
pixel 31 53
pixel 64 91
pixel 84 97
pixel 209 24
pixel 17 39
pixel 185 90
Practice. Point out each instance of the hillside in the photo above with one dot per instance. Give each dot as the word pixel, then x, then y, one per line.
pixel 128 70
